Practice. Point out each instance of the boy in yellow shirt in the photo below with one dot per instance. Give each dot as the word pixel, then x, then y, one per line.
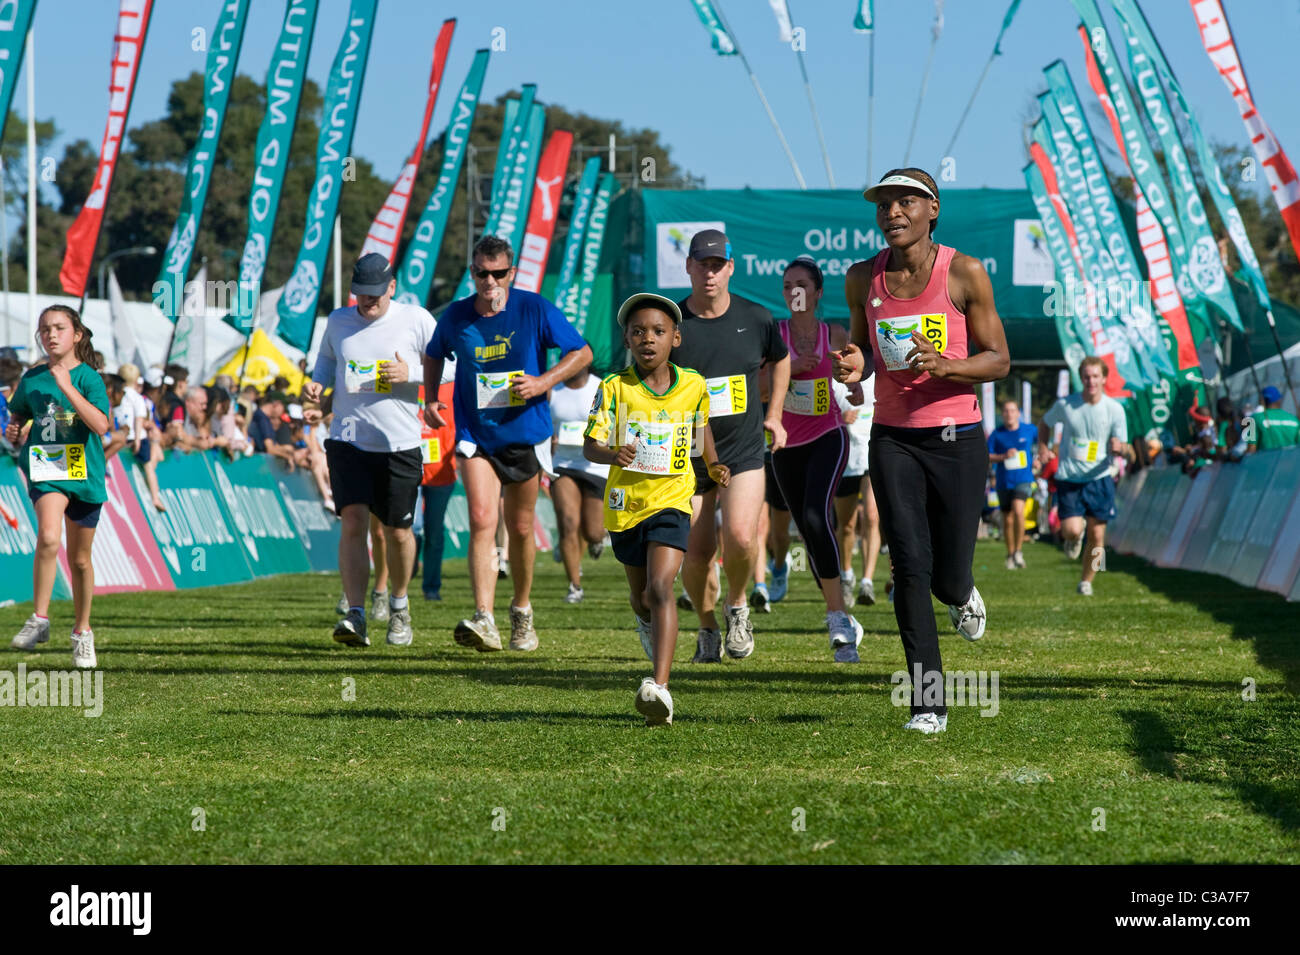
pixel 644 422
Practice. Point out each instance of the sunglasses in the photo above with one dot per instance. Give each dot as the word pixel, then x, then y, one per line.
pixel 497 274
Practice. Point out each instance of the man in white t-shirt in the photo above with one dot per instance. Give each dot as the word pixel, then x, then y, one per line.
pixel 370 354
pixel 1093 428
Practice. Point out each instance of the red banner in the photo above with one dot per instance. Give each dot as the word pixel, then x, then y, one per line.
pixel 124 554
pixel 83 235
pixel 1216 35
pixel 536 246
pixel 386 231
pixel 1151 235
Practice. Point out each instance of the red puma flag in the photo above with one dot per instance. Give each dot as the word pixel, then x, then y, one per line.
pixel 542 215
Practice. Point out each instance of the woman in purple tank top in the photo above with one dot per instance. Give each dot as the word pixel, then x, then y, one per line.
pixel 924 323
pixel 809 467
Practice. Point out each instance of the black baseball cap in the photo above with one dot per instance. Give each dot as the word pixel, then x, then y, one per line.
pixel 371 275
pixel 710 244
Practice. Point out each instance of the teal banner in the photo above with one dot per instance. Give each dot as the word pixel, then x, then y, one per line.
pixel 223 55
pixel 1072 331
pixel 566 292
pixel 592 244
pixel 261 520
pixel 194 533
pixel 317 526
pixel 1144 54
pixel 283 94
pixel 18 539
pixel 297 306
pixel 416 274
pixel 513 225
pixel 1137 312
pixel 13 43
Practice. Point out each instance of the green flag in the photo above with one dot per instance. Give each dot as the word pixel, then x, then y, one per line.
pixel 223 55
pixel 297 305
pixel 566 293
pixel 723 44
pixel 283 94
pixel 1073 348
pixel 13 43
pixel 591 248
pixel 1006 22
pixel 416 274
pixel 513 222
pixel 865 19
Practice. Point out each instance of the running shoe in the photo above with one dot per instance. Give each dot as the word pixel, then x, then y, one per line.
pixel 1073 548
pixel 759 600
pixel 522 634
pixel 596 549
pixel 708 647
pixel 866 592
pixel 83 650
pixel 845 634
pixel 927 723
pixel 969 618
pixel 574 596
pixel 479 632
pixel 1020 559
pixel 399 628
pixel 503 564
pixel 341 608
pixel 432 595
pixel 1011 562
pixel 780 581
pixel 646 635
pixel 35 630
pixel 379 606
pixel 557 555
pixel 684 601
pixel 351 630
pixel 655 703
pixel 1085 588
pixel 740 633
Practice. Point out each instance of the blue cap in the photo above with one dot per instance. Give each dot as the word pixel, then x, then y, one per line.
pixel 1270 395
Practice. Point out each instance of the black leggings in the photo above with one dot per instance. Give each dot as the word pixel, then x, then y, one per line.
pixel 929 492
pixel 808 475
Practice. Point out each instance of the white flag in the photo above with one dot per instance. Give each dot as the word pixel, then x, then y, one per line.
pixel 124 342
pixel 782 13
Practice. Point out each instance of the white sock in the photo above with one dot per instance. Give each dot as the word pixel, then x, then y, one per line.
pixel 397 603
pixel 522 609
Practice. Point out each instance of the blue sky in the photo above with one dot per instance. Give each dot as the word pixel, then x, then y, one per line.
pixel 649 63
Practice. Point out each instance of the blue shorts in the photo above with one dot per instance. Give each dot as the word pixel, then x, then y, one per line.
pixel 1015 492
pixel 1096 499
pixel 670 528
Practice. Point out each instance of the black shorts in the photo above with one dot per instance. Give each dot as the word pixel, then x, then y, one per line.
pixel 670 528
pixel 589 484
pixel 1016 492
pixel 772 491
pixel 80 512
pixel 388 482
pixel 704 484
pixel 514 464
pixel 146 450
pixel 850 485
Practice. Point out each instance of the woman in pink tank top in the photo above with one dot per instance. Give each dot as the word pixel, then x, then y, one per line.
pixel 924 323
pixel 809 467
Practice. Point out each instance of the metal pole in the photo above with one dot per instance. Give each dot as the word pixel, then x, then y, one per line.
pixel 611 152
pixel 31 195
pixel 338 261
pixel 925 81
pixel 966 111
pixel 871 97
pixel 4 253
pixel 817 120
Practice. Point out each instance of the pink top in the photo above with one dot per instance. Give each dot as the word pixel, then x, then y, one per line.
pixel 810 409
pixel 904 398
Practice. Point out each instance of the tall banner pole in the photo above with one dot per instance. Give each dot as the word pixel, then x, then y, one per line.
pixel 31 194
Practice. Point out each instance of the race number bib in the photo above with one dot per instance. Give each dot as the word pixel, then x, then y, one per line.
pixel 362 377
pixel 811 397
pixel 1086 451
pixel 57 462
pixel 431 450
pixel 571 433
pixel 494 389
pixel 894 337
pixel 662 447
pixel 726 395
pixel 1017 460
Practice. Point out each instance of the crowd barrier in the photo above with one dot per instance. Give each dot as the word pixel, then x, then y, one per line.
pixel 1237 520
pixel 226 522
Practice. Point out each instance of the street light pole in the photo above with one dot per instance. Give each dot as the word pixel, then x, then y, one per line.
pixel 142 249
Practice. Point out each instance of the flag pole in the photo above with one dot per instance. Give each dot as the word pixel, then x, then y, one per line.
pixel 817 120
pixel 975 92
pixel 871 95
pixel 763 99
pixel 925 78
pixel 338 263
pixel 31 195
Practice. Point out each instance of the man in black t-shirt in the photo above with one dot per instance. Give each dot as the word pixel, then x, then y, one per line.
pixel 726 339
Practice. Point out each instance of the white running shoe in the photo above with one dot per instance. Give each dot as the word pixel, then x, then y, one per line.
pixel 847 583
pixel 1020 559
pixel 840 627
pixel 379 606
pixel 969 618
pixel 479 631
pixel 574 596
pixel 1011 562
pixel 647 638
pixel 708 646
pixel 35 630
pixel 1085 588
pixel 927 723
pixel 866 592
pixel 83 649
pixel 739 642
pixel 1073 548
pixel 655 703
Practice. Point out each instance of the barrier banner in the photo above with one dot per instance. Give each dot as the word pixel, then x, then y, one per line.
pixel 1168 485
pixel 124 554
pixel 18 540
pixel 194 533
pixel 1272 478
pixel 317 528
pixel 261 520
pixel 1197 555
pixel 1128 498
pixel 1252 475
pixel 1184 522
pixel 1282 568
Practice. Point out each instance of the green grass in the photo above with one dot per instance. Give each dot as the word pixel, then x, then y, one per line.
pixel 231 700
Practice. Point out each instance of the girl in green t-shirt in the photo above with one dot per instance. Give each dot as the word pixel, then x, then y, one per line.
pixel 63 406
